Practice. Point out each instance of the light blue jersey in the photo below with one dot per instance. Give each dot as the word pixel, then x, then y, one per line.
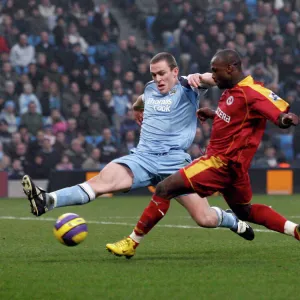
pixel 169 120
pixel 168 129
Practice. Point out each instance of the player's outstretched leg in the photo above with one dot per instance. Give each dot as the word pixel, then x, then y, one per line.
pixel 264 215
pixel 243 229
pixel 114 177
pixel 199 209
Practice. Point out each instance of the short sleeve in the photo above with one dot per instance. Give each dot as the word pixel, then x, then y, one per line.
pixel 268 104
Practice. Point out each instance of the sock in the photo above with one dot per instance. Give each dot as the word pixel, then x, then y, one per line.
pixel 136 238
pixel 266 216
pixel 226 220
pixel 152 214
pixel 77 194
pixel 289 229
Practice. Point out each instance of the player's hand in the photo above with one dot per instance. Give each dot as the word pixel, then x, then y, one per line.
pixel 205 113
pixel 194 80
pixel 205 80
pixel 290 119
pixel 139 115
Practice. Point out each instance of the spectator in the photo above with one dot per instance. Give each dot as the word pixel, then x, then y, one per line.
pixel 129 142
pixel 69 98
pixel 77 114
pixel 49 155
pixel 76 38
pixel 4 159
pixel 108 148
pixel 34 75
pixel 32 119
pixel 16 171
pixel 37 22
pixel 65 164
pixel 76 154
pixel 27 97
pixel 37 169
pixel 57 122
pixel 72 131
pixel 60 142
pixel 87 31
pixel 121 103
pixel 5 135
pixel 7 75
pixel 129 124
pixel 8 114
pixel 44 45
pixel 107 106
pixel 35 145
pixel 269 160
pixel 10 94
pixel 46 9
pixel 93 161
pixel 59 31
pixel 22 54
pixel 96 120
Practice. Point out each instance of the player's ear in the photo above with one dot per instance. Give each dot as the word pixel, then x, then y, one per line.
pixel 175 72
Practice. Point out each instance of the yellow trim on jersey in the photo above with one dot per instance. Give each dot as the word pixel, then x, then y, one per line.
pixel 268 94
pixel 202 165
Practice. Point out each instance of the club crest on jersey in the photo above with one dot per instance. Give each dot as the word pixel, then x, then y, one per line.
pixel 172 92
pixel 229 100
pixel 273 96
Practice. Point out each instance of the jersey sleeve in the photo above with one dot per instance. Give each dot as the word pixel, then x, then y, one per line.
pixel 199 91
pixel 267 103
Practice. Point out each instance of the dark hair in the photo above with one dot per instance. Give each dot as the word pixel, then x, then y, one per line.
pixel 168 57
pixel 231 57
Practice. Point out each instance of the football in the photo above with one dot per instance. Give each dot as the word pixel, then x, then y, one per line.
pixel 70 229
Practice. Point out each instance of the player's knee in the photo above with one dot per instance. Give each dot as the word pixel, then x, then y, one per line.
pixel 242 211
pixel 160 190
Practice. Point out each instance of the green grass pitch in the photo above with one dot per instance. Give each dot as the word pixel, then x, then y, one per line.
pixel 176 260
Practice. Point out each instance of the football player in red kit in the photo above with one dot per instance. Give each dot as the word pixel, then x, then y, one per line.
pixel 238 126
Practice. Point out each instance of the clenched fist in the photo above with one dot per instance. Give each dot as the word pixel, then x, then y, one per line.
pixel 205 113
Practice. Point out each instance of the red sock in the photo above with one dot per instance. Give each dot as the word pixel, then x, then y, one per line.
pixel 155 211
pixel 266 216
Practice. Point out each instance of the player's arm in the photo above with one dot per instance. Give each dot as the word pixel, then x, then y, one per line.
pixel 205 113
pixel 273 108
pixel 138 109
pixel 204 80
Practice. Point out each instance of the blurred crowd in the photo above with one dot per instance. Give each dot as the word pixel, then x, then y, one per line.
pixel 68 82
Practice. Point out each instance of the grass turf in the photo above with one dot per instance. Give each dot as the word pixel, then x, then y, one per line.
pixel 171 263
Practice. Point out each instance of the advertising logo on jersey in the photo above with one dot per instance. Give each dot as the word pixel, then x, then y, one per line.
pixel 229 100
pixel 273 96
pixel 161 105
pixel 220 113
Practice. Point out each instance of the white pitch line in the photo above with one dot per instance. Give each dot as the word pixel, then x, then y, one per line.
pixel 118 223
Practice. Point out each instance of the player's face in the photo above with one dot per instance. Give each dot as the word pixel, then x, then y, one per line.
pixel 221 73
pixel 164 77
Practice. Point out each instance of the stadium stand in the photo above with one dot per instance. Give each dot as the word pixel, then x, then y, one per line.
pixel 68 81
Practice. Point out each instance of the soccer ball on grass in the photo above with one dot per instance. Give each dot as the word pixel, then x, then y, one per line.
pixel 70 229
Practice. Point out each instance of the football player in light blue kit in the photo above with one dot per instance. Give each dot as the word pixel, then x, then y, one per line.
pixel 168 109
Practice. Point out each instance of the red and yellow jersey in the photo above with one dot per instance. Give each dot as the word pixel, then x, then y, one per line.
pixel 240 121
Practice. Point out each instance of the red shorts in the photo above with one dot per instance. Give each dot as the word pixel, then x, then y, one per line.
pixel 207 175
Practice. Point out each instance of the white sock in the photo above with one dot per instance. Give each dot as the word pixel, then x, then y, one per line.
pixel 87 188
pixel 52 200
pixel 136 238
pixel 289 228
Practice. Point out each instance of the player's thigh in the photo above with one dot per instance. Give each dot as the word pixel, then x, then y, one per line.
pixel 239 192
pixel 206 175
pixel 113 178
